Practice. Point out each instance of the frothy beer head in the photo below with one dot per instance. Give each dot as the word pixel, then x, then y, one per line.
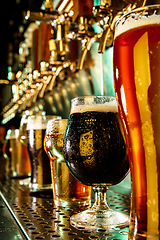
pixel 56 126
pixel 39 122
pixel 90 105
pixel 131 23
pixel 12 134
pixel 36 122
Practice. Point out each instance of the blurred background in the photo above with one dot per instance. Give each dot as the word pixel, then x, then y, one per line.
pixel 52 51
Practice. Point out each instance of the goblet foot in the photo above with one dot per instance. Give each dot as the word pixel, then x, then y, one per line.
pixel 91 219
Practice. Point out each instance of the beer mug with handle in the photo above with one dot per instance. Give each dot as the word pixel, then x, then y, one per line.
pixel 137 85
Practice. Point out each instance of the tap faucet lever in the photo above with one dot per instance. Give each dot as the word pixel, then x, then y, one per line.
pixel 113 14
pixel 44 87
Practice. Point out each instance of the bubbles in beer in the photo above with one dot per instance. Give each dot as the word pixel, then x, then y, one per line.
pixel 106 107
pixel 94 146
pixel 131 21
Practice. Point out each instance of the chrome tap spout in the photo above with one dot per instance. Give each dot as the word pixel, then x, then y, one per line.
pixel 55 74
pixel 44 87
pixel 113 14
pixel 107 34
pixel 87 43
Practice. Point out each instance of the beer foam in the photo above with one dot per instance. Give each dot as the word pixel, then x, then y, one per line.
pixel 56 126
pixel 105 107
pixel 36 125
pixel 12 134
pixel 39 122
pixel 135 20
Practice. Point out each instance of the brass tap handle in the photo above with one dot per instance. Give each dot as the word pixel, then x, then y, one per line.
pixel 86 46
pixel 22 104
pixel 62 24
pixel 52 82
pixel 55 74
pixel 107 34
pixel 29 100
pixel 44 87
pixel 115 14
pixel 48 5
pixel 39 86
pixel 137 3
pixel 15 91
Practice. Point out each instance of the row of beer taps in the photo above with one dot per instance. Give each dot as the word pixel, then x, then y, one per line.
pixel 31 86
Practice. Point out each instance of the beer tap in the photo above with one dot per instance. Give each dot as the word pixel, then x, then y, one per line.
pixel 46 15
pixel 59 48
pixel 24 77
pixel 10 110
pixel 46 74
pixel 26 84
pixel 34 89
pixel 108 14
pixel 39 84
pixel 13 82
pixel 21 75
pixel 111 14
pixel 28 89
pixel 87 37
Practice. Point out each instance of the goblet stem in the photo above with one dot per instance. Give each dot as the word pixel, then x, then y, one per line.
pixel 100 215
pixel 100 198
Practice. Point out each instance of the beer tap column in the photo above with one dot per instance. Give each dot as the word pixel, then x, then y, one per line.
pixel 59 48
pixel 108 13
pixel 87 37
pixel 111 13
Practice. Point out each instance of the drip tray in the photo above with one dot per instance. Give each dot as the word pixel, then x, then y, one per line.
pixel 38 218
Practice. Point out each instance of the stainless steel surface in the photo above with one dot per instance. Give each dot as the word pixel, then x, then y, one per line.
pixel 8 228
pixel 37 218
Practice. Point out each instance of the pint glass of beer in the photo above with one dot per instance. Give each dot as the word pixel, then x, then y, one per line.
pixel 67 190
pixel 23 124
pixel 41 184
pixel 19 162
pixel 137 85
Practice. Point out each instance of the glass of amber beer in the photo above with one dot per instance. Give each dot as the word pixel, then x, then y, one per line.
pixel 95 152
pixel 67 190
pixel 41 183
pixel 19 162
pixel 137 85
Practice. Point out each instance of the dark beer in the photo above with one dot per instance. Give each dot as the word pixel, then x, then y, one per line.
pixel 94 146
pixel 40 164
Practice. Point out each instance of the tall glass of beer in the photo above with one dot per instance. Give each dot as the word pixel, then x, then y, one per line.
pixel 41 184
pixel 137 85
pixel 67 190
pixel 95 152
pixel 7 153
pixel 23 124
pixel 19 163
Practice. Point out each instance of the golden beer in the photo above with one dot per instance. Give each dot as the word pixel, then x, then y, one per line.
pixel 19 162
pixel 137 85
pixel 67 190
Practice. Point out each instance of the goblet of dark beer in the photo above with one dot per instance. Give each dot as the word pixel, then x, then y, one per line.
pixel 95 152
pixel 137 84
pixel 41 183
